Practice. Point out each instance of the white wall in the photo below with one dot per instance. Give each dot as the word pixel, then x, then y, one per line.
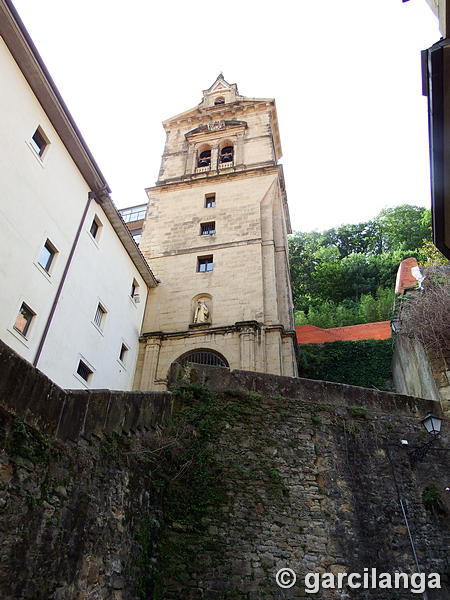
pixel 45 199
pixel 101 272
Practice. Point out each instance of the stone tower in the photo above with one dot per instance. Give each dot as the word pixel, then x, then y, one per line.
pixel 215 236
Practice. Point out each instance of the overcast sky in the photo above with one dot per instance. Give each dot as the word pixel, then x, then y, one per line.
pixel 345 74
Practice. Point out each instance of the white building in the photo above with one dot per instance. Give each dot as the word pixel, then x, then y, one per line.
pixel 73 283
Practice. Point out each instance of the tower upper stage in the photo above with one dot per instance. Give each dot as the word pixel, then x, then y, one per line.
pixel 226 132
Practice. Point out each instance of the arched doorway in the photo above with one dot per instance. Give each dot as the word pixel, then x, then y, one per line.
pixel 203 356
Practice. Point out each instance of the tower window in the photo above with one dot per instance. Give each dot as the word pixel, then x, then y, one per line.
pixel 39 142
pixel 84 371
pixel 23 319
pixel 204 264
pixel 208 228
pixel 210 200
pixel 204 159
pixel 47 255
pixel 226 154
pixel 219 101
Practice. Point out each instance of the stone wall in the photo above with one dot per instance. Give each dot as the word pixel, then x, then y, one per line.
pixel 68 414
pixel 415 374
pixel 313 474
pixel 294 473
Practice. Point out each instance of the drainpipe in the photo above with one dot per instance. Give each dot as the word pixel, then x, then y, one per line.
pixel 91 196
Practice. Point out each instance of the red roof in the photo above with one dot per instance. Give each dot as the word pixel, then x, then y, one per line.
pixel 309 334
pixel 405 278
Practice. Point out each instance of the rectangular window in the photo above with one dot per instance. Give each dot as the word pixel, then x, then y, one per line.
pixel 47 255
pixel 210 200
pixel 136 233
pixel 204 264
pixel 84 371
pixel 208 228
pixel 95 228
pixel 23 319
pixel 134 289
pixel 123 353
pixel 99 316
pixel 39 142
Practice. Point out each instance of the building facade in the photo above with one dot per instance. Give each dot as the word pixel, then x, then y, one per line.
pixel 215 236
pixel 73 284
pixel 134 217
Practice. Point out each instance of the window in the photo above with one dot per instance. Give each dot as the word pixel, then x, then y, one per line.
pixel 84 371
pixel 134 289
pixel 226 155
pixel 204 159
pixel 99 316
pixel 23 319
pixel 136 233
pixel 123 353
pixel 208 228
pixel 39 142
pixel 95 228
pixel 133 214
pixel 204 263
pixel 210 200
pixel 219 101
pixel 47 255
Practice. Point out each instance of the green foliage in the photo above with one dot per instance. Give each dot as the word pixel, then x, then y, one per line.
pixel 359 412
pixel 332 271
pixel 370 308
pixel 29 443
pixel 365 363
pixel 432 501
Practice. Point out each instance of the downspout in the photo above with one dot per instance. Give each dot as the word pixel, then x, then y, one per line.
pixel 91 195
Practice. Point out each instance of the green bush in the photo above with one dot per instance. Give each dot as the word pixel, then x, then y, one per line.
pixel 366 363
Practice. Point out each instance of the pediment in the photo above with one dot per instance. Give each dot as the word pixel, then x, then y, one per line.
pixel 214 126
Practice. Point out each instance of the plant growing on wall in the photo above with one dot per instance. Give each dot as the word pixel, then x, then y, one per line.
pixel 425 316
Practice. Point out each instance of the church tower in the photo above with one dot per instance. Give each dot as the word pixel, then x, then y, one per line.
pixel 215 236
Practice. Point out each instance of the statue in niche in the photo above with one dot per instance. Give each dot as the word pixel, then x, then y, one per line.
pixel 201 314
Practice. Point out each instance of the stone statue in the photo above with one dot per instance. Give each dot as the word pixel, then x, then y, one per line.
pixel 201 314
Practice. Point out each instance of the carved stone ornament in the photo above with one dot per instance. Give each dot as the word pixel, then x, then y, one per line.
pixel 216 125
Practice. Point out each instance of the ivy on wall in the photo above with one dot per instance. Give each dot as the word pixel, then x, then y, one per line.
pixel 365 363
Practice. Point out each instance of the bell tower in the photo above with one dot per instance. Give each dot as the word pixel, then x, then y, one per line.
pixel 215 236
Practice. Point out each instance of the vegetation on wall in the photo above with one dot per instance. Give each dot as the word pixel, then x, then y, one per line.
pixel 366 363
pixel 346 275
pixel 424 314
pixel 188 477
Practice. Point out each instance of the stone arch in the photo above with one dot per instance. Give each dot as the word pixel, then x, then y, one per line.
pixel 203 356
pixel 204 156
pixel 207 300
pixel 226 152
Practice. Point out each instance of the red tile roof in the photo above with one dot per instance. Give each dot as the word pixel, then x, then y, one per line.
pixel 309 334
pixel 405 279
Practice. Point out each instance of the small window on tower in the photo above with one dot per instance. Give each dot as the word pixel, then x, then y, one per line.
pixel 210 200
pixel 208 228
pixel 219 101
pixel 204 264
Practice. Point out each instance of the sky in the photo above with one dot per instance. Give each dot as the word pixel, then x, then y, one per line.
pixel 346 77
